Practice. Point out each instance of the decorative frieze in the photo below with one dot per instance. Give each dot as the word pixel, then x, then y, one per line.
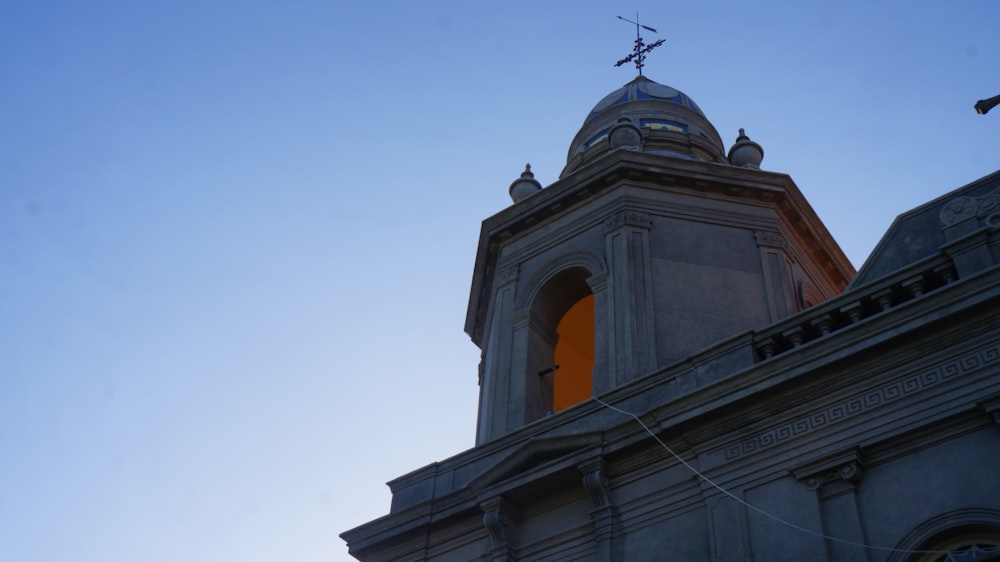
pixel 874 398
pixel 957 210
pixel 965 207
pixel 625 218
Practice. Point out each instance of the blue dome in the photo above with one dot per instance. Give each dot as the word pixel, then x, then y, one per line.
pixel 643 88
pixel 649 117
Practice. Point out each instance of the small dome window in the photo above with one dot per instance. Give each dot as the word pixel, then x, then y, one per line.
pixel 661 124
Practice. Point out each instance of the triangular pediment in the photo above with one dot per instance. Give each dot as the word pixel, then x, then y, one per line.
pixel 540 456
pixel 920 233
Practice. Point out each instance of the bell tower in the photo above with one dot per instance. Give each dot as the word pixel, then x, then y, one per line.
pixel 655 243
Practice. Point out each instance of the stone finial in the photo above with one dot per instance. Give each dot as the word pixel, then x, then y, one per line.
pixel 524 186
pixel 625 135
pixel 745 153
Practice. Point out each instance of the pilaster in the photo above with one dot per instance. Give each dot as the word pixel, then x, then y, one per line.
pixel 728 523
pixel 495 391
pixel 631 349
pixel 777 282
pixel 835 479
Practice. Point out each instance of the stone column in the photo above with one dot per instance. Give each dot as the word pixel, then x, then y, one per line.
pixel 495 392
pixel 632 346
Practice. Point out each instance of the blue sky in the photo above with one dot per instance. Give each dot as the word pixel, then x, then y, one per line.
pixel 236 238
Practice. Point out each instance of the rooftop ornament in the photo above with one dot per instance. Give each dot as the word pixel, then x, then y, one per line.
pixel 638 55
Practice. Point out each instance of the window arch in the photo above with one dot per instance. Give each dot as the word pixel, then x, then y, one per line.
pixel 561 343
pixel 966 547
pixel 968 535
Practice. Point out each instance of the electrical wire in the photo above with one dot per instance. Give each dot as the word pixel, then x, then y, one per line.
pixel 756 509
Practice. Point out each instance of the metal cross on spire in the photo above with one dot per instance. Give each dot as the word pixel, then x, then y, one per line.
pixel 638 55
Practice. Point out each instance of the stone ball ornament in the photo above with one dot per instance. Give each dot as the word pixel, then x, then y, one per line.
pixel 524 186
pixel 745 153
pixel 625 135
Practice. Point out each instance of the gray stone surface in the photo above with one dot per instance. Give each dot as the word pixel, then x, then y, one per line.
pixel 793 419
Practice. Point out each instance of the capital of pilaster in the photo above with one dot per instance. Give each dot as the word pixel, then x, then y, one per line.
pixel 769 238
pixel 627 217
pixel 992 407
pixel 508 274
pixel 846 467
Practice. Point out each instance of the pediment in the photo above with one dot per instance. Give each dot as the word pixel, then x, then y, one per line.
pixel 537 457
pixel 919 233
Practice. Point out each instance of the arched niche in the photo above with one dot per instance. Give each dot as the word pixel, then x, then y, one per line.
pixel 561 326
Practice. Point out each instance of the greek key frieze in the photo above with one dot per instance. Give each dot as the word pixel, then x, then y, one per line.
pixel 872 399
pixel 990 355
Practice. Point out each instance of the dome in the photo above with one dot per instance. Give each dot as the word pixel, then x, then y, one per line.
pixel 650 117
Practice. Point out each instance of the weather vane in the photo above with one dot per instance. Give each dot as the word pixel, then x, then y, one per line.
pixel 639 52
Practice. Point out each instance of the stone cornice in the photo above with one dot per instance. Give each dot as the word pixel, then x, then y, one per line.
pixel 684 395
pixel 877 397
pixel 649 171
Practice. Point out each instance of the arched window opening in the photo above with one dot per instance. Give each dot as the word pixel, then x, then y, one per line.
pixel 574 355
pixel 560 344
pixel 964 535
pixel 965 547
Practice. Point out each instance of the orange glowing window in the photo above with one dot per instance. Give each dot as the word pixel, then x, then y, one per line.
pixel 574 354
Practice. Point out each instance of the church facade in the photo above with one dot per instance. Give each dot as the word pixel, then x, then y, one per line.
pixel 679 363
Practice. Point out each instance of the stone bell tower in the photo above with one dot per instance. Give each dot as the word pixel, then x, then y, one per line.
pixel 653 244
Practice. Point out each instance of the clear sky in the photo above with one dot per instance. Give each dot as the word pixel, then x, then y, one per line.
pixel 236 238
